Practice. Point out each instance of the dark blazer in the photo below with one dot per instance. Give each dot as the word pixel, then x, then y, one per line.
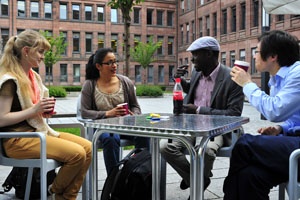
pixel 227 97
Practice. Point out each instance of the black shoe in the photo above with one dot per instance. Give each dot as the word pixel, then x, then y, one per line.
pixel 206 182
pixel 183 185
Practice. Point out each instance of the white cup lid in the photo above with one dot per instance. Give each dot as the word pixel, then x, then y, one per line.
pixel 241 63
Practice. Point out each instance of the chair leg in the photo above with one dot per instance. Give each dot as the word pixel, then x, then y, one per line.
pixel 121 153
pixel 281 191
pixel 163 179
pixel 28 183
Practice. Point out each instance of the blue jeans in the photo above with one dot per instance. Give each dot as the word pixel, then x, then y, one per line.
pixel 111 147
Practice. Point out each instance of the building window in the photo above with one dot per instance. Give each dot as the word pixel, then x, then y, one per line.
pixel 62 11
pixel 100 13
pixel 150 73
pixel 233 19
pixel 181 34
pixel 253 69
pixel 159 18
pixel 88 13
pixel 101 40
pixel 4 7
pixel 114 15
pixel 114 43
pixel 215 24
pixel 76 12
pixel 149 16
pixel 232 58
pixel 223 58
pixel 243 17
pixel 161 74
pixel 76 42
pixel 171 73
pixel 34 9
pixel 170 18
pixel 137 39
pixel 188 5
pixel 48 10
pixel 224 20
pixel 187 39
pixel 21 8
pixel 255 13
pixel 160 50
pixel 170 45
pixel 186 61
pixel 182 6
pixel 193 31
pixel 5 37
pixel 136 15
pixel 76 73
pixel 280 18
pixel 200 27
pixel 207 25
pixel 242 54
pixel 88 42
pixel 65 41
pixel 49 74
pixel 63 73
pixel 137 74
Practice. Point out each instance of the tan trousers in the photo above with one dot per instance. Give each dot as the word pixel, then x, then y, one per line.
pixel 73 151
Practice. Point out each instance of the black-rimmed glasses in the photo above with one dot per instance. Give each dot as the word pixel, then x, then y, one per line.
pixel 110 63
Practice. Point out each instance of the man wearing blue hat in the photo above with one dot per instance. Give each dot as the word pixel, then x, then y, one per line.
pixel 210 92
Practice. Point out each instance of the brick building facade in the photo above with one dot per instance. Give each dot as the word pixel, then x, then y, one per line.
pixel 88 25
pixel 235 24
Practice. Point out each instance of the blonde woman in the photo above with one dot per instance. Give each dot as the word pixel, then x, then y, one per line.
pixel 24 102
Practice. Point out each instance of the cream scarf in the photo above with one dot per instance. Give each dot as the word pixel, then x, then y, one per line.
pixel 37 122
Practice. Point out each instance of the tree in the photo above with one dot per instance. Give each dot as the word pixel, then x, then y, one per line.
pixel 53 55
pixel 126 7
pixel 143 52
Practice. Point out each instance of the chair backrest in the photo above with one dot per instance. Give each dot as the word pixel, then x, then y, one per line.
pixel 225 151
pixel 43 163
pixel 78 111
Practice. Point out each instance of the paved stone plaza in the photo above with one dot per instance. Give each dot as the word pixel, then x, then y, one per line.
pixel 161 105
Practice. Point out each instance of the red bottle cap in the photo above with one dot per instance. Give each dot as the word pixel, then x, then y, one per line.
pixel 177 80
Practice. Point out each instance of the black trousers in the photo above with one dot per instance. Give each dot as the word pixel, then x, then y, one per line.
pixel 257 164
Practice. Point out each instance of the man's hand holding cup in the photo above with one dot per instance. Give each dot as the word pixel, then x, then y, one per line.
pixel 239 73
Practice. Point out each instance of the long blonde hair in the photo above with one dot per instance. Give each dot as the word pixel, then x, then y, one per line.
pixel 10 61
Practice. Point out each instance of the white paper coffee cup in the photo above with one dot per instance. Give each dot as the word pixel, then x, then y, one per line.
pixel 242 64
pixel 125 106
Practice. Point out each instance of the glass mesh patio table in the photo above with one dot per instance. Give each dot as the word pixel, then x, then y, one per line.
pixel 168 126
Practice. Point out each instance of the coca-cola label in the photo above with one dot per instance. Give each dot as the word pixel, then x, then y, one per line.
pixel 177 95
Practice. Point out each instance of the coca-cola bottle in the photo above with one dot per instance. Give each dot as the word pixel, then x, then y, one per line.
pixel 177 98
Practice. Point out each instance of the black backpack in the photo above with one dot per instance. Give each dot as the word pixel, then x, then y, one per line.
pixel 17 178
pixel 131 178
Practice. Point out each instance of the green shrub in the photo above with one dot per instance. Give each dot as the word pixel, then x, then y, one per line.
pixel 75 88
pixel 148 90
pixel 163 88
pixel 57 91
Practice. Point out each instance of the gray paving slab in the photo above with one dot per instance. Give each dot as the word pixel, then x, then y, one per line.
pixel 160 105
